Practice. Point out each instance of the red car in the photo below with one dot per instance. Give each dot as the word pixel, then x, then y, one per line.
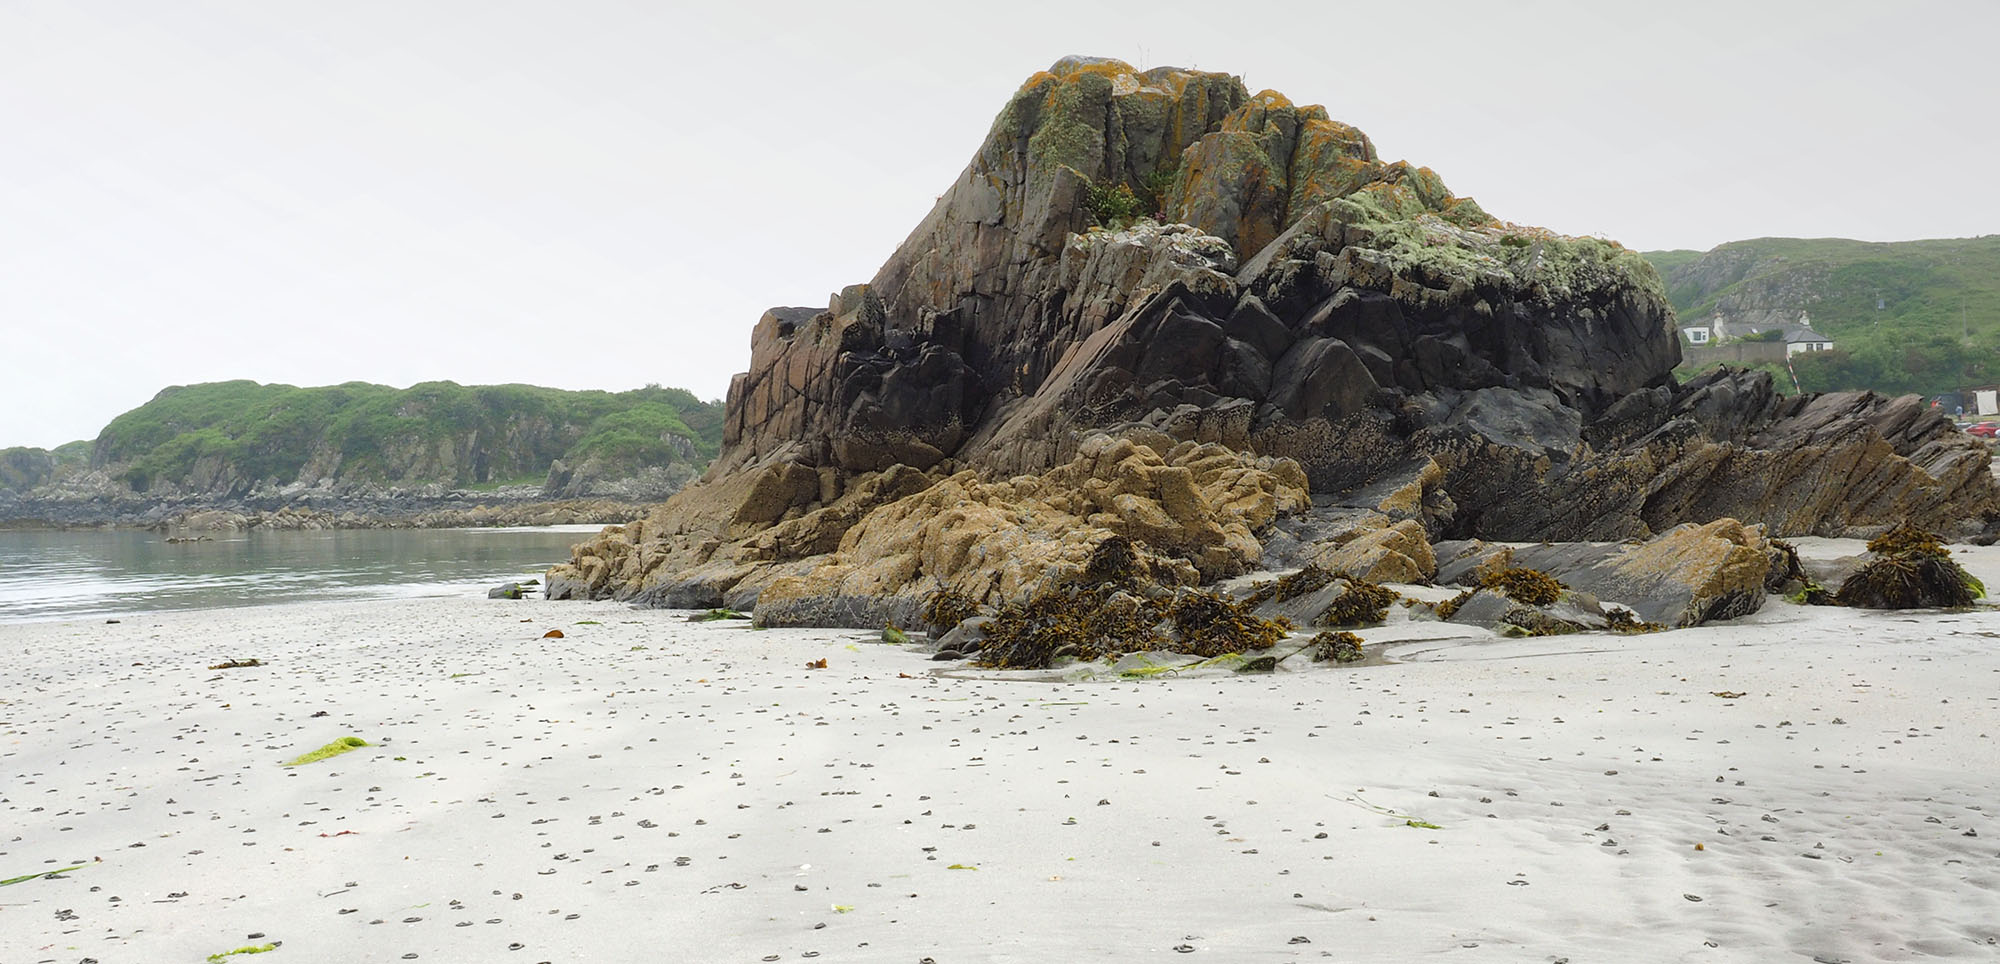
pixel 1984 429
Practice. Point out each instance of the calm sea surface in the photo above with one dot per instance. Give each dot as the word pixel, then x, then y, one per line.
pixel 67 575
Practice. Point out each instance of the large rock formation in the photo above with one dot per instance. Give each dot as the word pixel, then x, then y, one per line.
pixel 1163 257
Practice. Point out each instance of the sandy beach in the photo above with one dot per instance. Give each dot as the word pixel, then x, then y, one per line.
pixel 1809 784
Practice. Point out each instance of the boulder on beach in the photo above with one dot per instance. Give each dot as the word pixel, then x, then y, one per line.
pixel 1684 577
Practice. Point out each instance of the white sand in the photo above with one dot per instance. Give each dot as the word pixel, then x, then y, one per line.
pixel 708 798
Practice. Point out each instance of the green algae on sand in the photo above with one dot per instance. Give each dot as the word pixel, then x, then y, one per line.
pixel 24 878
pixel 335 748
pixel 216 957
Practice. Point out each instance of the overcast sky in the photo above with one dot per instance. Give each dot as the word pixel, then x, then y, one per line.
pixel 600 194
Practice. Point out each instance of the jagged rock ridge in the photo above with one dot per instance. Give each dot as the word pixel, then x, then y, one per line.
pixel 1293 298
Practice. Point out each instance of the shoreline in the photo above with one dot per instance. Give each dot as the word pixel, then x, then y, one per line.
pixel 442 513
pixel 646 783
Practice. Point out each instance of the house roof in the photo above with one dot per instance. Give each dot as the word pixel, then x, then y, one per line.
pixel 1798 333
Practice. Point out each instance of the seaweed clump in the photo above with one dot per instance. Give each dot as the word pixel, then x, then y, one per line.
pixel 1912 570
pixel 1115 560
pixel 1622 620
pixel 1210 624
pixel 1449 607
pixel 1531 587
pixel 1070 620
pixel 1363 602
pixel 946 608
pixel 1286 588
pixel 1335 647
pixel 1111 607
pixel 333 749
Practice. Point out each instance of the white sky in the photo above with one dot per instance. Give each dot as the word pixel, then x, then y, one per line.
pixel 601 194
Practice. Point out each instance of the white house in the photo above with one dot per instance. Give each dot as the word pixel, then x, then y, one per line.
pixel 1696 334
pixel 1801 337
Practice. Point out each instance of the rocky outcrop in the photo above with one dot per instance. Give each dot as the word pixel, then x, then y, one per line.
pixel 872 553
pixel 1163 257
pixel 1687 576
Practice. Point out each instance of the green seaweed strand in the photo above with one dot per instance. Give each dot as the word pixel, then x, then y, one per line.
pixel 245 949
pixel 335 748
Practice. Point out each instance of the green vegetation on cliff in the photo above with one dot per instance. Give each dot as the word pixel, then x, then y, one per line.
pixel 228 434
pixel 1907 316
pixel 23 467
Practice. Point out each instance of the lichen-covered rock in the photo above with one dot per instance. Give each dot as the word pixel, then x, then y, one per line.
pixel 1395 553
pixel 1197 510
pixel 1684 577
pixel 876 552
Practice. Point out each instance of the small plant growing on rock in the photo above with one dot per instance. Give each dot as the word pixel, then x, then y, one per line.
pixel 1530 587
pixel 1363 602
pixel 1912 570
pixel 1158 184
pixel 1113 205
pixel 1337 647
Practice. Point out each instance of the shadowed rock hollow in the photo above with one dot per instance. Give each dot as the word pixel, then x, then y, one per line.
pixel 1160 306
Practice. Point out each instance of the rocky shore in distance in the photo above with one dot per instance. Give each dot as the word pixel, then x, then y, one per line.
pixel 430 507
pixel 241 454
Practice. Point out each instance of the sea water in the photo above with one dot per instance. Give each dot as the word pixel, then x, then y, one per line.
pixel 48 575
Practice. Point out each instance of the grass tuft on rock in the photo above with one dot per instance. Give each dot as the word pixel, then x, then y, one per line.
pixel 333 749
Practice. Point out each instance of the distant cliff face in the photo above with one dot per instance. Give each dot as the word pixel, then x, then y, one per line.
pixel 1286 270
pixel 230 439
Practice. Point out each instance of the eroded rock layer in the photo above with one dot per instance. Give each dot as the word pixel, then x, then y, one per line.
pixel 1237 296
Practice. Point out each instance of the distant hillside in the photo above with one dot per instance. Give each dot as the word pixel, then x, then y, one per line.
pixel 229 438
pixel 1910 316
pixel 23 468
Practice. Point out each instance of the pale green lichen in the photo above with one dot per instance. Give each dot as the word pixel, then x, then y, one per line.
pixel 1460 245
pixel 1063 138
pixel 333 749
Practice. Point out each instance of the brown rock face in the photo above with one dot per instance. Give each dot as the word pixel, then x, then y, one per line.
pixel 1690 574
